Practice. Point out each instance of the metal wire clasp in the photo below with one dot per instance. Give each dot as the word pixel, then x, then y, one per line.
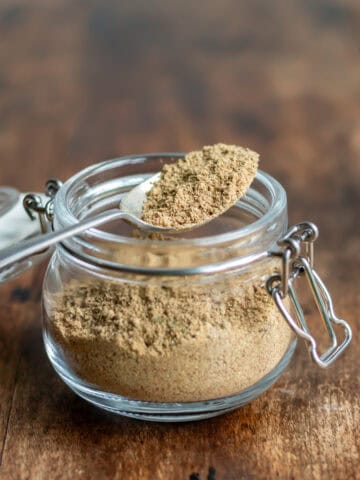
pixel 300 239
pixel 34 204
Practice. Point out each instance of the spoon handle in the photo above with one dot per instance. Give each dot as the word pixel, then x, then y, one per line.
pixel 23 250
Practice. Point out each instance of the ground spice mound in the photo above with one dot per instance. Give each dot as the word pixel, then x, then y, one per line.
pixel 200 186
pixel 170 343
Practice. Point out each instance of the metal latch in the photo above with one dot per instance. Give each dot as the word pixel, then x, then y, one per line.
pixel 34 205
pixel 297 256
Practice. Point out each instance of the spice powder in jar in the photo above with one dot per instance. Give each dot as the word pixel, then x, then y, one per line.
pixel 186 340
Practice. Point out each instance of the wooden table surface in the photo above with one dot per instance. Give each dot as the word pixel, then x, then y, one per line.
pixel 83 81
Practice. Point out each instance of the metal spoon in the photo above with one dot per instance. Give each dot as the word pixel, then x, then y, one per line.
pixel 130 209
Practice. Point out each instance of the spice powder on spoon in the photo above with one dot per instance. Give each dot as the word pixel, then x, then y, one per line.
pixel 200 186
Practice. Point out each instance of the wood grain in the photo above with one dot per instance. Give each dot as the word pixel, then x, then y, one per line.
pixel 84 81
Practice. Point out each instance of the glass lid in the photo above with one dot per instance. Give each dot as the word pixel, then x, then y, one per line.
pixel 16 226
pixel 8 199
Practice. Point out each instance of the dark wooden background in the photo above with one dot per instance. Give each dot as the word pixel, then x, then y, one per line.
pixel 86 80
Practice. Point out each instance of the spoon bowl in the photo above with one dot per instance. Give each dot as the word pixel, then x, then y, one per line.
pixel 133 202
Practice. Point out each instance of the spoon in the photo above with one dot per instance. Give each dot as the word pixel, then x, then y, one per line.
pixel 130 209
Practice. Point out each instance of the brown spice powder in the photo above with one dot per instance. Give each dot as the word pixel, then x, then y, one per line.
pixel 170 343
pixel 200 186
pixel 177 342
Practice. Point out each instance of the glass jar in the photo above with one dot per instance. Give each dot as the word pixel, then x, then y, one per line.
pixel 175 328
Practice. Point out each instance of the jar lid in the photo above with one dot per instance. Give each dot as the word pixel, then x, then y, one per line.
pixel 8 199
pixel 16 226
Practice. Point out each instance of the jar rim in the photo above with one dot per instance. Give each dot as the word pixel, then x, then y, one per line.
pixel 275 189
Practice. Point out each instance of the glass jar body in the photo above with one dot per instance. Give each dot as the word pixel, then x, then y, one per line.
pixel 167 330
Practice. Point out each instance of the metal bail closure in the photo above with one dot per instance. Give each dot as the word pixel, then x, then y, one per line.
pixel 281 285
pixel 33 204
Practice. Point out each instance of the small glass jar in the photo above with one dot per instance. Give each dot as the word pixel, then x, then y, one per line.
pixel 176 328
pixel 165 329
